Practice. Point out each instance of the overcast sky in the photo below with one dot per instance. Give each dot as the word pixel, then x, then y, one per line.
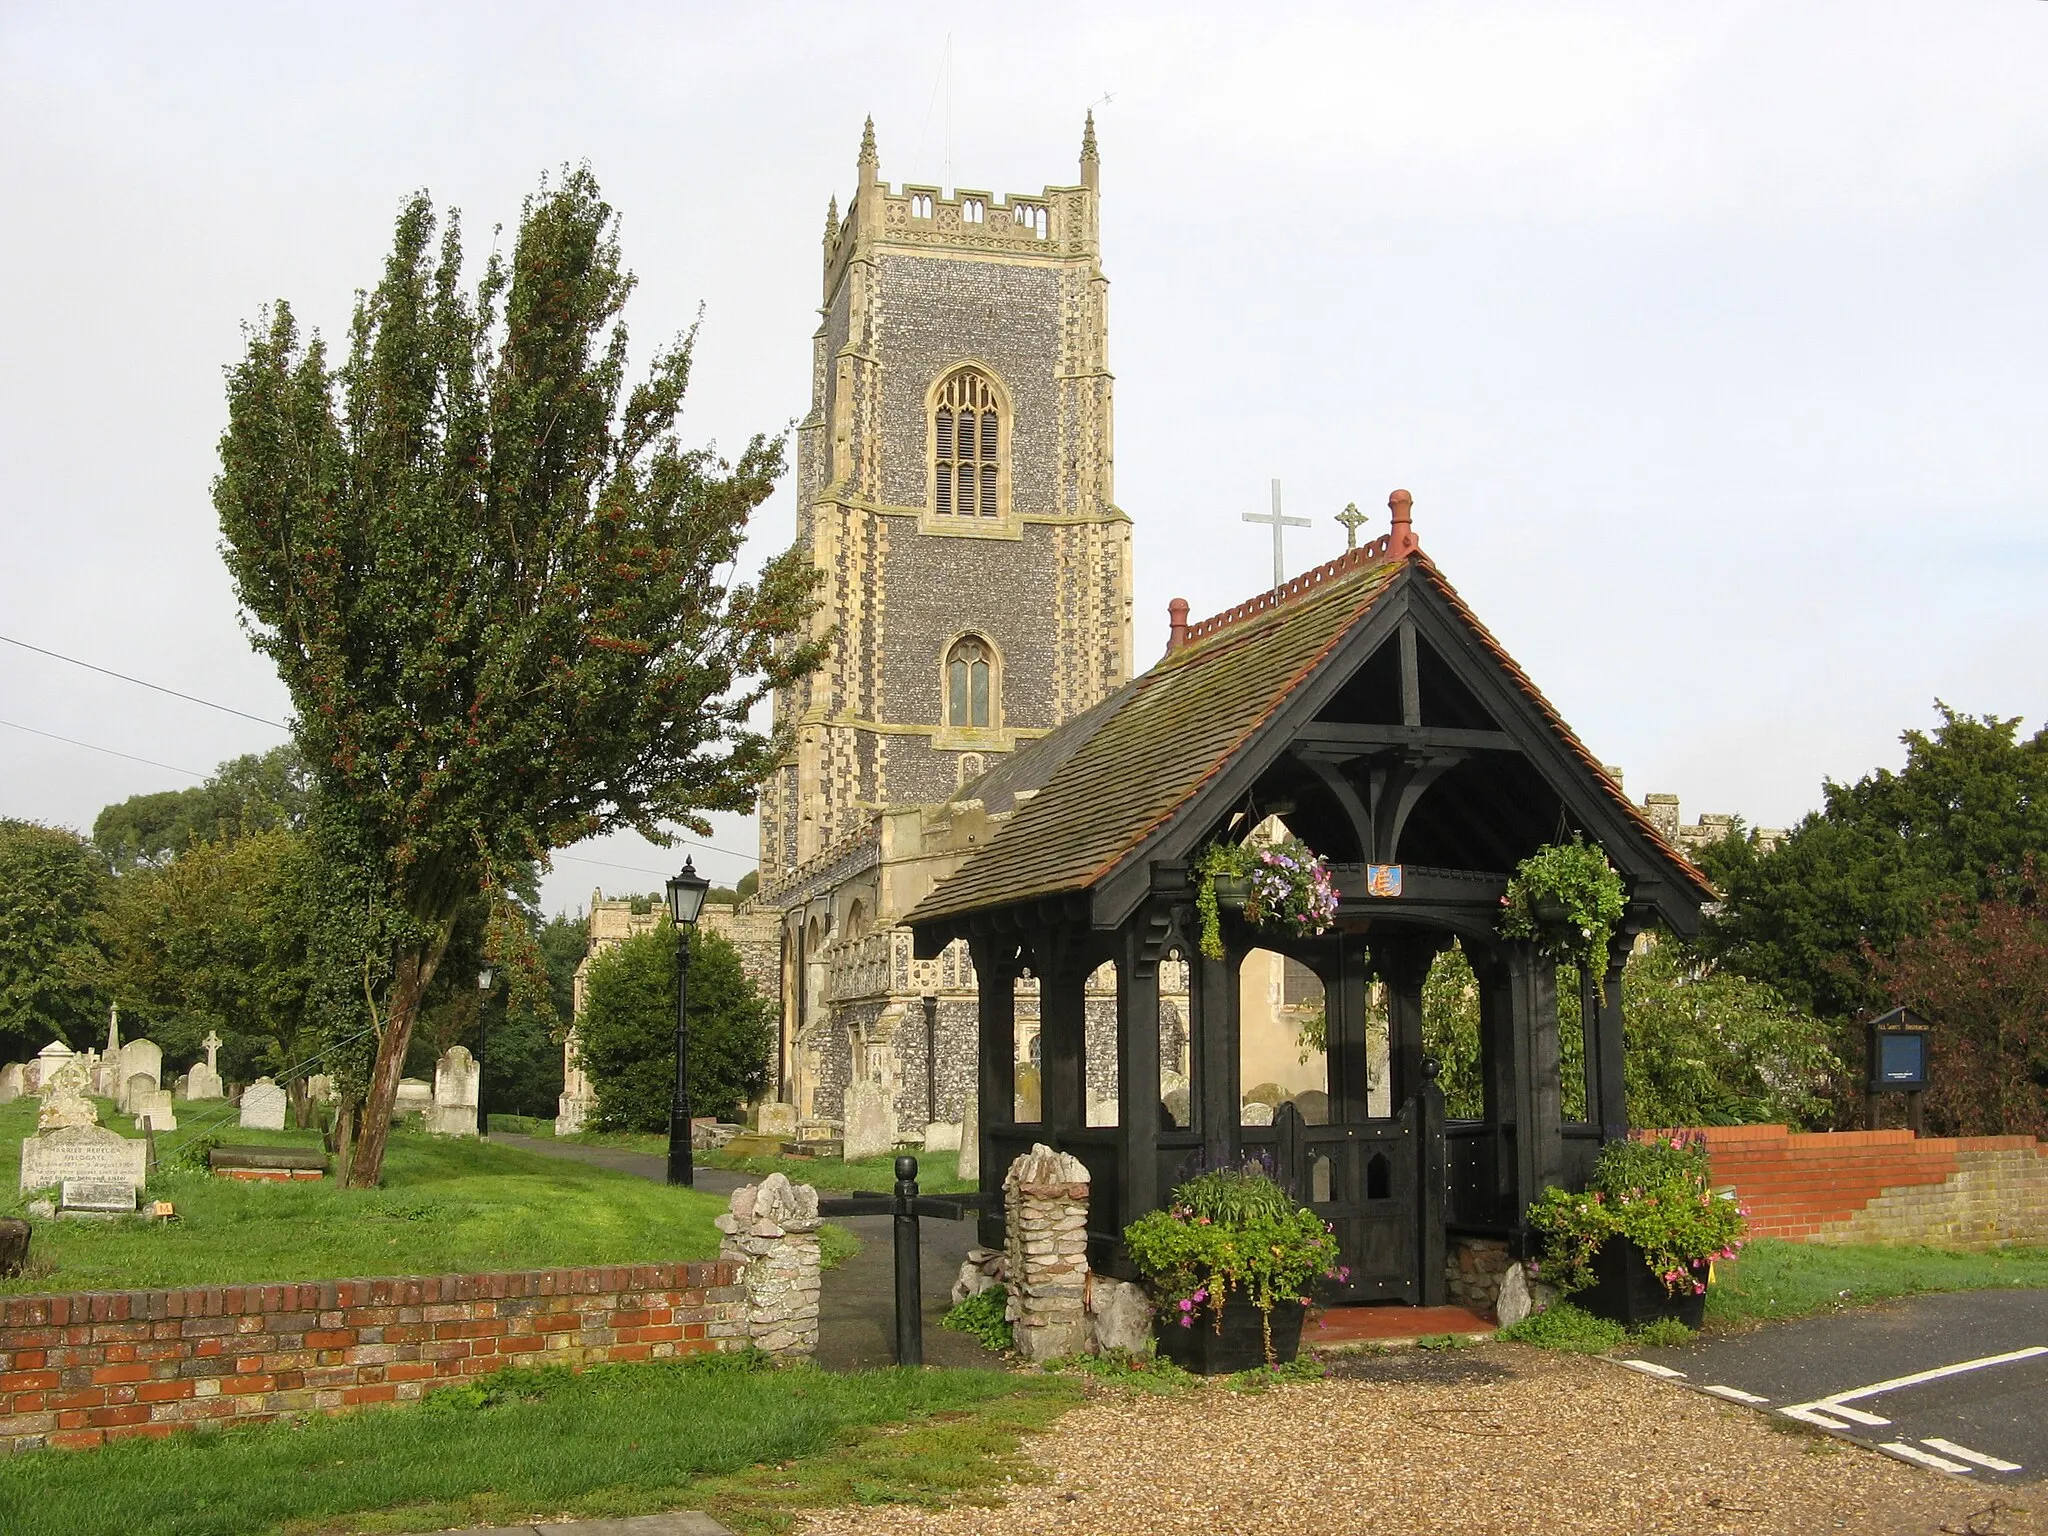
pixel 1710 338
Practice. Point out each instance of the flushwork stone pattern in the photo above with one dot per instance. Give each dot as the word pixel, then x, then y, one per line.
pixel 81 1369
pixel 771 1237
pixel 1045 1198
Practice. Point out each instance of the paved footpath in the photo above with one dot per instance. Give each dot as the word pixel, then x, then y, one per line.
pixel 1957 1381
pixel 857 1310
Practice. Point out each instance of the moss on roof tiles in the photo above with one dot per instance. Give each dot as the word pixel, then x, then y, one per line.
pixel 1174 728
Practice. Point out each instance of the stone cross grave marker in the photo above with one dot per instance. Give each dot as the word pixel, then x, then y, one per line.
pixel 263 1104
pixel 203 1081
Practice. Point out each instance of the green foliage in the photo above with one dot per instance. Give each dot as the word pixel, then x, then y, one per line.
pixel 628 1031
pixel 1289 889
pixel 245 795
pixel 1576 878
pixel 982 1315
pixel 936 1171
pixel 52 971
pixel 1231 1229
pixel 1664 1333
pixel 494 582
pixel 1872 866
pixel 1218 861
pixel 1450 1033
pixel 1658 1195
pixel 836 1244
pixel 562 941
pixel 1705 1046
pixel 1260 1378
pixel 1564 1326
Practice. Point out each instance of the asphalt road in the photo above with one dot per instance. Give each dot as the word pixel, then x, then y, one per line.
pixel 1955 1382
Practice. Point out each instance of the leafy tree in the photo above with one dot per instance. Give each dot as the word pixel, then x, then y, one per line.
pixel 562 941
pixel 627 1033
pixel 1874 865
pixel 495 585
pixel 52 971
pixel 750 882
pixel 1980 974
pixel 225 937
pixel 246 794
pixel 1705 1046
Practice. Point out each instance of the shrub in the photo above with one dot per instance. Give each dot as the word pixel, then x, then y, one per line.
pixel 1655 1194
pixel 983 1315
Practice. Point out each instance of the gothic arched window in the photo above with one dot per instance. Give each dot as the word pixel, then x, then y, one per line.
pixel 970 684
pixel 970 434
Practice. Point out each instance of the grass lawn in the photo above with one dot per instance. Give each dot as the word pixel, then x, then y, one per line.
pixel 936 1171
pixel 1778 1279
pixel 752 1446
pixel 446 1206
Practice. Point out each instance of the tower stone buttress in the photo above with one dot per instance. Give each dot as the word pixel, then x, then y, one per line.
pixel 954 477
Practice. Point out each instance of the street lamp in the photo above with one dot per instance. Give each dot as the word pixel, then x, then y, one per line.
pixel 483 1041
pixel 686 894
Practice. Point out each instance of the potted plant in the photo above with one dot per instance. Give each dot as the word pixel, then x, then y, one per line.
pixel 1284 887
pixel 1567 898
pixel 1230 1262
pixel 1641 1240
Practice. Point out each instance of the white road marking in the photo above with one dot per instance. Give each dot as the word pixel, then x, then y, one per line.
pixel 1652 1368
pixel 1833 1403
pixel 1908 1452
pixel 1964 1453
pixel 1735 1394
pixel 1808 1415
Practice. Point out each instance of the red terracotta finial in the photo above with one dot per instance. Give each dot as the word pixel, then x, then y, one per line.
pixel 1176 624
pixel 1400 504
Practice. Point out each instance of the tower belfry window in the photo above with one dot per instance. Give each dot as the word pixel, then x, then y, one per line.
pixel 968 430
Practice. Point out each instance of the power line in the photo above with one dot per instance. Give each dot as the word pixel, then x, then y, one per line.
pixel 75 742
pixel 226 709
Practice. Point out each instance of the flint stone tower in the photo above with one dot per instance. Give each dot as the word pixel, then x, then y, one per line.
pixel 954 487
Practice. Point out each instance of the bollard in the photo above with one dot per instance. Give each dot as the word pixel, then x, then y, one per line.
pixel 909 1281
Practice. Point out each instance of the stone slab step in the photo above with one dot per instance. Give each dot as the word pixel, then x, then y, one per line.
pixel 677 1522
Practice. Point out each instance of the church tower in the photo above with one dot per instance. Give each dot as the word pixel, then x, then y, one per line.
pixel 954 488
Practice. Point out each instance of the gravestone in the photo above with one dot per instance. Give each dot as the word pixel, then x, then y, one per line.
pixel 942 1136
pixel 48 1060
pixel 1313 1106
pixel 1255 1112
pixel 181 1088
pixel 152 1107
pixel 970 1135
pixel 134 1090
pixel 91 1153
pixel 1027 1093
pixel 64 1099
pixel 1173 1104
pixel 1103 1109
pixel 455 1084
pixel 870 1122
pixel 111 1197
pixel 320 1088
pixel 263 1105
pixel 415 1097
pixel 203 1081
pixel 139 1058
pixel 778 1120
pixel 10 1082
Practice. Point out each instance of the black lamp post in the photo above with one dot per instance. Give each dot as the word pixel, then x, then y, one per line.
pixel 686 894
pixel 483 1042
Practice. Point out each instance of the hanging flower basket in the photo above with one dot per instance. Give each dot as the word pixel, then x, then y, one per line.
pixel 1284 887
pixel 1567 898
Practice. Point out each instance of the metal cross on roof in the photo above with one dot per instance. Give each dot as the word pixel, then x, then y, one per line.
pixel 1278 522
pixel 1353 520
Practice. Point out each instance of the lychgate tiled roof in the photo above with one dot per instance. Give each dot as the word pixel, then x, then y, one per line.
pixel 1169 732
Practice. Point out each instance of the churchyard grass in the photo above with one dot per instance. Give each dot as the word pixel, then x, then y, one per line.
pixel 752 1446
pixel 936 1173
pixel 446 1207
pixel 1776 1279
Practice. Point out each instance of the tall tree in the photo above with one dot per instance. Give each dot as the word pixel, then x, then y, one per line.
pixel 53 885
pixel 495 584
pixel 246 794
pixel 1873 866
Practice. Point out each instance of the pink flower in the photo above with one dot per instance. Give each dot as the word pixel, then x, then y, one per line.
pixel 1187 1306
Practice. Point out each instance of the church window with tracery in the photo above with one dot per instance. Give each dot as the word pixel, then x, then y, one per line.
pixel 970 684
pixel 968 434
pixel 972 210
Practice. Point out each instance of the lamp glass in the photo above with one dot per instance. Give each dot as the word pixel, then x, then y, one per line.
pixel 686 893
pixel 483 979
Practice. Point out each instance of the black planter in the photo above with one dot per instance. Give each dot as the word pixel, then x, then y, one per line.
pixel 1626 1290
pixel 1232 892
pixel 1239 1347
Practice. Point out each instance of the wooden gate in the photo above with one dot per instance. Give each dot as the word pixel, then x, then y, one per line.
pixel 1380 1185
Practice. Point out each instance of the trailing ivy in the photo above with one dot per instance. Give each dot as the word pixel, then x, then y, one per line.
pixel 1576 878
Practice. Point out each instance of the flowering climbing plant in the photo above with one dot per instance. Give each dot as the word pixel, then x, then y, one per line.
pixel 1231 1230
pixel 1289 889
pixel 1657 1195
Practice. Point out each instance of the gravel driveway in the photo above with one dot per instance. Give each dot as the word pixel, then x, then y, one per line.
pixel 1496 1439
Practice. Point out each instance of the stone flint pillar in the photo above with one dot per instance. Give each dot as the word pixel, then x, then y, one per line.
pixel 771 1229
pixel 1045 1199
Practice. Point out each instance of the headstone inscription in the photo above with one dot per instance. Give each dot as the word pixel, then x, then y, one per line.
pixel 101 1196
pixel 455 1084
pixel 263 1104
pixel 91 1153
pixel 870 1122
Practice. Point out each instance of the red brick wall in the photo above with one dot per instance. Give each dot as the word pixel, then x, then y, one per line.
pixel 1814 1186
pixel 77 1370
